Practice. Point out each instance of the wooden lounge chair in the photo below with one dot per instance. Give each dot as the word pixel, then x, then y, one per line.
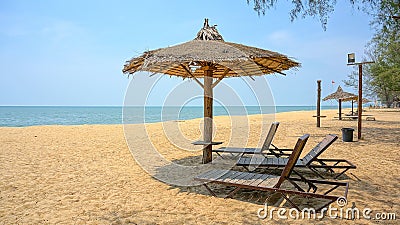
pixel 267 149
pixel 310 161
pixel 272 183
pixel 347 117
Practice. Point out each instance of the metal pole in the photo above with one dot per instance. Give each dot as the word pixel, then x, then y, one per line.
pixel 340 109
pixel 319 103
pixel 359 100
pixel 350 61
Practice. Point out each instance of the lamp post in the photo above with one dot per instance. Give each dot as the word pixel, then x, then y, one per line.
pixel 351 61
pixel 319 103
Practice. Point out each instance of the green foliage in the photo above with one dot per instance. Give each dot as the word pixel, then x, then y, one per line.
pixel 369 91
pixel 383 77
pixel 313 8
pixel 385 46
pixel 380 79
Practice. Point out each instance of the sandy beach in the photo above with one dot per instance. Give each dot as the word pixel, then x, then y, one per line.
pixel 86 174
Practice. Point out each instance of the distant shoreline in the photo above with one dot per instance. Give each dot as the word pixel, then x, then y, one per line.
pixel 113 118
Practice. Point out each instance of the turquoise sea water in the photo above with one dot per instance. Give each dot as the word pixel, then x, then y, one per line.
pixel 20 116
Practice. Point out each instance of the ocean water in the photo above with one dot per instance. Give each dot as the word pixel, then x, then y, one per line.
pixel 20 116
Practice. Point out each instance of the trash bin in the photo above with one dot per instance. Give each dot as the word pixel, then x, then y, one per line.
pixel 347 134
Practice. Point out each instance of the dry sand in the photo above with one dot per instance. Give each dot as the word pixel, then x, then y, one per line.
pixel 86 174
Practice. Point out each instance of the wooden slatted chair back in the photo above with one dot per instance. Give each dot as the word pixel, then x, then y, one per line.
pixel 270 136
pixel 301 142
pixel 319 149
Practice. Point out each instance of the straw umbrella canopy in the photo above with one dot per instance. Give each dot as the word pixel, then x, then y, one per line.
pixel 364 100
pixel 209 57
pixel 341 96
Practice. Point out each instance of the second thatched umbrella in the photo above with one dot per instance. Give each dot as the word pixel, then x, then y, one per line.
pixel 341 96
pixel 364 100
pixel 209 57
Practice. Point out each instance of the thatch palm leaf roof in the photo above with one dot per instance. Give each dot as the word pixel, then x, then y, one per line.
pixel 342 95
pixel 228 59
pixel 209 33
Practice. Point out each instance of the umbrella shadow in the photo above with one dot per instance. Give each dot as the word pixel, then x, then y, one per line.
pixel 365 191
pixel 379 134
pixel 247 195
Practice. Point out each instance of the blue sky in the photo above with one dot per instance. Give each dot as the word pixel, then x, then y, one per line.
pixel 72 52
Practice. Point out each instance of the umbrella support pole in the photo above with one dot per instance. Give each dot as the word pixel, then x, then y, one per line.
pixel 340 109
pixel 319 103
pixel 359 106
pixel 208 115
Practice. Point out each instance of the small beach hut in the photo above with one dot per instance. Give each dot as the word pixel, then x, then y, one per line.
pixel 210 58
pixel 341 96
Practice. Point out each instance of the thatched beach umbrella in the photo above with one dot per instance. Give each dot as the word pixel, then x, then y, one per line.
pixel 209 57
pixel 341 96
pixel 364 100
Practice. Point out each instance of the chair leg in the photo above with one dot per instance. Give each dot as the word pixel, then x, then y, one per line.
pixel 220 155
pixel 316 172
pixel 277 155
pixel 230 194
pixel 327 168
pixel 236 156
pixel 330 190
pixel 296 185
pixel 341 173
pixel 209 189
pixel 290 202
pixel 310 184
